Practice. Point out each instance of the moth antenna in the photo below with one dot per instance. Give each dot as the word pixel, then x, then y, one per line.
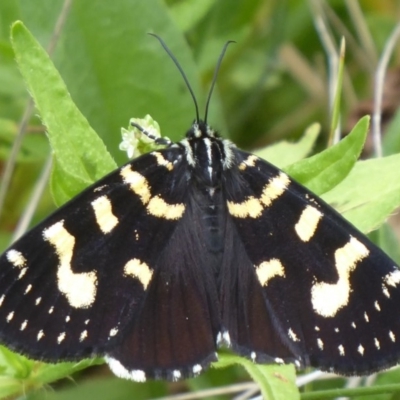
pixel 176 62
pixel 214 80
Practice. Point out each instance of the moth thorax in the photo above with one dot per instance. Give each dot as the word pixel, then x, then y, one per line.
pixel 209 161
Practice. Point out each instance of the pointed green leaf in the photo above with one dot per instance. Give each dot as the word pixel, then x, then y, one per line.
pixel 370 193
pixel 285 153
pixel 78 149
pixel 276 382
pixel 325 170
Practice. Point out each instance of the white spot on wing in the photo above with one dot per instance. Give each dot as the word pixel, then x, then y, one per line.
pixel 320 344
pixel 308 223
pixel 393 278
pixel 24 325
pixel 253 356
pixel 83 336
pixel 385 291
pixel 279 360
pixel 366 317
pixel 377 344
pixel 2 299
pixel 353 325
pixel 28 289
pixel 16 258
pixel 22 273
pixel 341 350
pixel 119 370
pixel 51 309
pixel 61 337
pixel 40 334
pixel 268 270
pixel 360 349
pixel 327 298
pixel 293 336
pixel 139 270
pixel 197 369
pixel 10 316
pixel 37 301
pixel 79 288
pixel 105 218
pixel 377 306
pixel 392 336
pixel 113 332
pixel 176 375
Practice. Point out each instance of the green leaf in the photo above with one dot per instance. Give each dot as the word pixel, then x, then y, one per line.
pixel 9 386
pixel 188 13
pixel 47 373
pixel 385 237
pixel 370 192
pixel 63 185
pixel 325 170
pixel 285 153
pixel 77 148
pixel 20 374
pixel 277 382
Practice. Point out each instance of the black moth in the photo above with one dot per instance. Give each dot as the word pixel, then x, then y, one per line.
pixel 192 247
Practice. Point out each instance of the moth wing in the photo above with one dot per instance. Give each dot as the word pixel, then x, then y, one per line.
pixel 70 286
pixel 330 294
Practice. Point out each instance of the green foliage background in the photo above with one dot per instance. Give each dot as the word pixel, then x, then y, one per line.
pixel 272 86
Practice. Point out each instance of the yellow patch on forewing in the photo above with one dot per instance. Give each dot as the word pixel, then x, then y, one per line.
pixel 268 270
pixel 252 207
pixel 104 216
pixel 139 270
pixel 79 288
pixel 159 208
pixel 327 298
pixel 248 208
pixel 275 188
pixel 308 223
pixel 249 162
pixel 16 258
pixel 137 182
pixel 162 161
pixel 155 205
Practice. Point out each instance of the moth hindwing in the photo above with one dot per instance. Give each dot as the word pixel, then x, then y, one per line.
pixel 192 247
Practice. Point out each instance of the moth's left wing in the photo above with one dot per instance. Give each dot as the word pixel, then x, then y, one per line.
pixel 70 286
pixel 331 296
